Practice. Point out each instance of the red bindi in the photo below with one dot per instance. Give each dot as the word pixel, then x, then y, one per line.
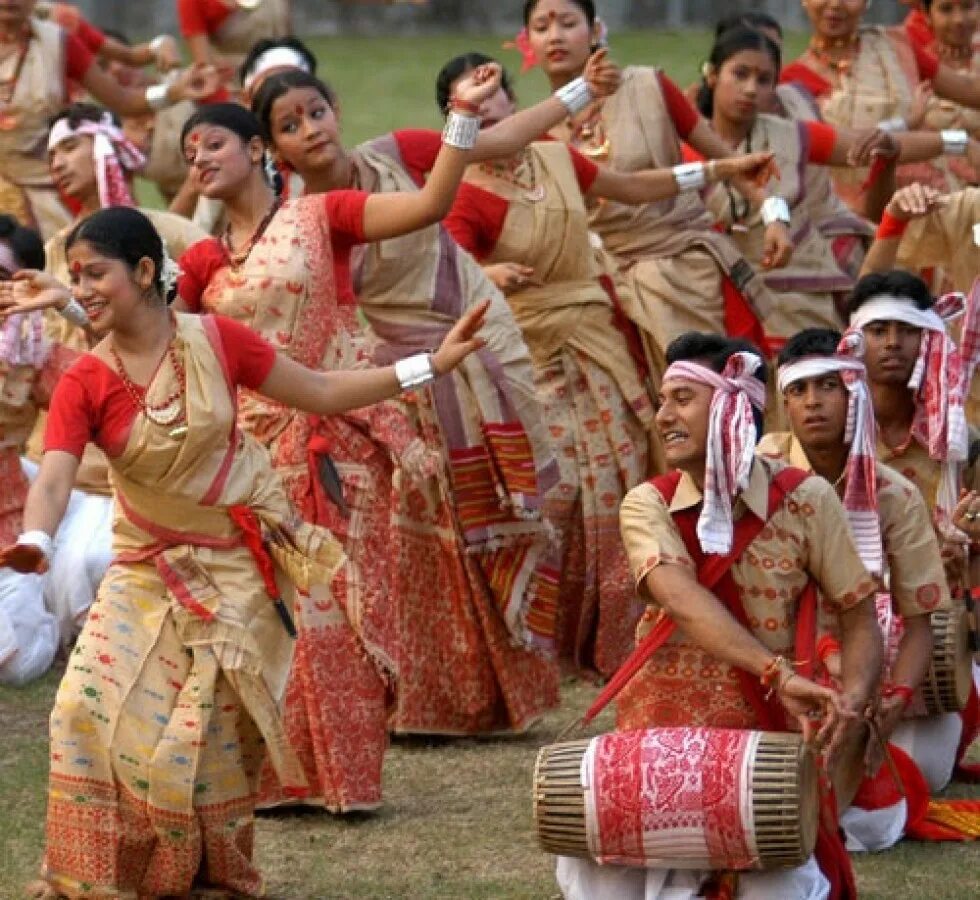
pixel 76 268
pixel 195 138
pixel 299 109
pixel 552 15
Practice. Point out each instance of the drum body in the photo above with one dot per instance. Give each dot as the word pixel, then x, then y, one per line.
pixel 679 798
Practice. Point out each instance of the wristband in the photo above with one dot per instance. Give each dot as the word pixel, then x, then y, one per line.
pixel 903 691
pixel 415 371
pixel 955 141
pixel 690 176
pixel 775 209
pixel 575 96
pixel 157 97
pixel 461 131
pixel 890 227
pixel 158 42
pixel 893 125
pixel 464 106
pixel 40 539
pixel 74 312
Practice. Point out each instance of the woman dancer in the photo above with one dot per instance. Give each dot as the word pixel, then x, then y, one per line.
pixel 29 367
pixel 37 60
pixel 528 211
pixel 488 430
pixel 684 275
pixel 738 86
pixel 157 730
pixel 867 77
pixel 91 161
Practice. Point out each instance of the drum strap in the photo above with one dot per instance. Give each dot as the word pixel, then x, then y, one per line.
pixel 714 574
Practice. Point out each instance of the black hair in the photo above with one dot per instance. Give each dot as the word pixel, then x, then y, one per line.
pixel 77 113
pixel 810 342
pixel 733 41
pixel 278 85
pixel 126 234
pixel 926 5
pixel 234 117
pixel 25 242
pixel 748 18
pixel 289 43
pixel 587 7
pixel 459 66
pixel 713 351
pixel 897 283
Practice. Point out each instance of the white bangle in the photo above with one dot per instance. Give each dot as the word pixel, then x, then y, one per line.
pixel 75 313
pixel 893 125
pixel 955 141
pixel 575 96
pixel 158 42
pixel 157 96
pixel 461 131
pixel 415 371
pixel 690 176
pixel 775 209
pixel 40 539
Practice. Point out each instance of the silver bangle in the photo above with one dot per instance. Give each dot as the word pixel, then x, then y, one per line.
pixel 157 96
pixel 461 131
pixel 775 209
pixel 415 371
pixel 40 539
pixel 893 125
pixel 955 141
pixel 690 176
pixel 74 312
pixel 575 96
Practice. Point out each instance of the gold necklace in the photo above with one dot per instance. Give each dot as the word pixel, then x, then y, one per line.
pixel 508 170
pixel 589 135
pixel 169 413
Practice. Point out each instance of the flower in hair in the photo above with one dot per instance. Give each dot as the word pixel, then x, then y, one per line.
pixel 522 43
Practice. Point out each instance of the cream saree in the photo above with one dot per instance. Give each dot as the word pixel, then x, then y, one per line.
pixel 673 262
pixel 174 687
pixel 26 189
pixel 597 408
pixel 462 664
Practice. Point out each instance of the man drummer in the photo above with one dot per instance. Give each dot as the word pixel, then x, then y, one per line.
pixel 730 662
pixel 828 405
pixel 917 377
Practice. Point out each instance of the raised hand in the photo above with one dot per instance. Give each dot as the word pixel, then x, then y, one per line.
pixel 601 74
pixel 479 84
pixel 914 202
pixel 24 558
pixel 31 290
pixel 196 82
pixel 461 340
pixel 755 167
pixel 167 54
pixel 871 144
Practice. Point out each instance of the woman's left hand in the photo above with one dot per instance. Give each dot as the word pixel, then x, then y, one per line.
pixel 601 74
pixel 30 290
pixel 24 558
pixel 461 340
pixel 777 248
pixel 966 516
pixel 167 54
pixel 196 82
pixel 479 84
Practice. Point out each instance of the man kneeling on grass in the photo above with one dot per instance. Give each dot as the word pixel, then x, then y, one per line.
pixel 739 638
pixel 824 386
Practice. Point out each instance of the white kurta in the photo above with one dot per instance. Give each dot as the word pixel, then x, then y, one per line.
pixel 28 632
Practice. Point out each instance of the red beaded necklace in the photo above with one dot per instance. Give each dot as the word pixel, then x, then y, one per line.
pixel 238 257
pixel 170 412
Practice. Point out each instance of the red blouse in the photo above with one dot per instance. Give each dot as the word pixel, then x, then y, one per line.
pixel 91 403
pixel 345 211
pixel 477 217
pixel 78 58
pixel 73 22
pixel 201 16
pixel 682 112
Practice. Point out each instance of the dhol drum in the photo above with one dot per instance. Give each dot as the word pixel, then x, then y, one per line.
pixel 946 686
pixel 687 798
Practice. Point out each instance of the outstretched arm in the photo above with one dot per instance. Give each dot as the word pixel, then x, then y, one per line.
pixel 912 202
pixel 194 83
pixel 330 393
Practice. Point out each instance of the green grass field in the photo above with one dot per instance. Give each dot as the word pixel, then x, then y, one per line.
pixel 457 816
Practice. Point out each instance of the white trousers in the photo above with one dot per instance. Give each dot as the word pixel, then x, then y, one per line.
pixel 583 879
pixel 28 632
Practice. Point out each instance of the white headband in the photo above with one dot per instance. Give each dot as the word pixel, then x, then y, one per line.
pixel 889 308
pixel 275 58
pixel 814 367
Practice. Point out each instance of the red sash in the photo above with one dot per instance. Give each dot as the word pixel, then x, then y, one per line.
pixel 714 574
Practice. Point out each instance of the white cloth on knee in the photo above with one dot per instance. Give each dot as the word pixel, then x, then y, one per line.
pixel 28 632
pixel 82 553
pixel 584 879
pixel 931 741
pixel 871 830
